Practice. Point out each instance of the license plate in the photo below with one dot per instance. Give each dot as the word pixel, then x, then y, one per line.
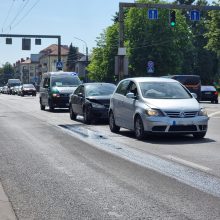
pixel 208 93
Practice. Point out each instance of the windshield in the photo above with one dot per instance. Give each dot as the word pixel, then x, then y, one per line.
pixel 100 89
pixel 65 81
pixel 163 90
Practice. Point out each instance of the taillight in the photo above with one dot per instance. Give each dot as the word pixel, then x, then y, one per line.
pixel 216 93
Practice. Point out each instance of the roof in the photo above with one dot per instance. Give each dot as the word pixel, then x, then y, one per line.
pixel 151 79
pixel 53 50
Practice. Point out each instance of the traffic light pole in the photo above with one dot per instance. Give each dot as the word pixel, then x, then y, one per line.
pixel 38 36
pixel 123 5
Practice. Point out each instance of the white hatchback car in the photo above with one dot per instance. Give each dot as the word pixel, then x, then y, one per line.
pixel 156 105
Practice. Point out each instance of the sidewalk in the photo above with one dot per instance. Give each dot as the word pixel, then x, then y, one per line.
pixel 6 211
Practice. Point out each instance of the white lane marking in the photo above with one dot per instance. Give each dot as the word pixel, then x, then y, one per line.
pixel 188 163
pixel 214 113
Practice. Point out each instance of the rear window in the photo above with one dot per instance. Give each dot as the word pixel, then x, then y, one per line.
pixel 208 88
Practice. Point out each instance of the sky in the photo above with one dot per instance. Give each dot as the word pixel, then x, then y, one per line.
pixel 71 19
pixel 83 19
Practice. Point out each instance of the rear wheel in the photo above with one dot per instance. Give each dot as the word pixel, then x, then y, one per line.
pixel 113 127
pixel 139 128
pixel 72 114
pixel 216 101
pixel 199 135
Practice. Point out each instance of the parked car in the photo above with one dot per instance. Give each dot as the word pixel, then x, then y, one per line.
pixel 91 100
pixel 55 89
pixel 209 93
pixel 28 89
pixel 149 105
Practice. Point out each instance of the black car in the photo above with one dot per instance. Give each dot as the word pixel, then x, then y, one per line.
pixel 209 93
pixel 91 100
pixel 28 89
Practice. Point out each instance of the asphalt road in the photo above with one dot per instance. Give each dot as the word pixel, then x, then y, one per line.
pixel 55 168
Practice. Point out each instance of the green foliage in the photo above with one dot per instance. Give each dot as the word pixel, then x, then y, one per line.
pixel 174 50
pixel 72 58
pixel 6 72
pixel 101 67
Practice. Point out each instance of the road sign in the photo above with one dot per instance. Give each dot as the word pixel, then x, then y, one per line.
pixel 59 65
pixel 150 67
pixel 195 15
pixel 152 14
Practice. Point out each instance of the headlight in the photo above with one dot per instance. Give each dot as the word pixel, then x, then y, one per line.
pixel 153 112
pixel 96 105
pixel 202 112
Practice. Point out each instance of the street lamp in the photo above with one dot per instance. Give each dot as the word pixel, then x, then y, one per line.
pixel 87 56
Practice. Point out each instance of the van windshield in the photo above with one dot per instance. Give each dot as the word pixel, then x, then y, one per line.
pixel 65 81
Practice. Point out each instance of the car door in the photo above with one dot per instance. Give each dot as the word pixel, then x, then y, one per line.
pixel 77 99
pixel 129 105
pixel 118 102
pixel 44 91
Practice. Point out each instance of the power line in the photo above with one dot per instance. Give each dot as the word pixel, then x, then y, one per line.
pixel 16 24
pixel 6 18
pixel 17 14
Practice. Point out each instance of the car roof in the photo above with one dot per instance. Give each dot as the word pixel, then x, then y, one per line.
pixel 150 79
pixel 61 73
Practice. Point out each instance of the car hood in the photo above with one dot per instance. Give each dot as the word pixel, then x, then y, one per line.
pixel 100 99
pixel 68 90
pixel 173 104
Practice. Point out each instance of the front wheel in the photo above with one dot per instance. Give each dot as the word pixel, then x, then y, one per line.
pixel 72 114
pixel 199 135
pixel 139 128
pixel 113 127
pixel 87 115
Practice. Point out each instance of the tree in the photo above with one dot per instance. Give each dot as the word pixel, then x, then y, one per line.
pixel 6 72
pixel 72 58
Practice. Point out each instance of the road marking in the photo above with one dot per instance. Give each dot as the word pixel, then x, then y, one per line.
pixel 188 163
pixel 214 113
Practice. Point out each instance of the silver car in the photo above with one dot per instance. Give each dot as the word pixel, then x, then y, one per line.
pixel 156 105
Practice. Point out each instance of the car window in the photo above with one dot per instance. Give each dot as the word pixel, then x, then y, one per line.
pixel 79 89
pixel 102 89
pixel 122 87
pixel 161 90
pixel 65 81
pixel 132 88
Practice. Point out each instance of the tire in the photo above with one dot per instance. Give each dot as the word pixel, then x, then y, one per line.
pixel 199 135
pixel 113 127
pixel 42 107
pixel 139 128
pixel 87 115
pixel 216 101
pixel 72 114
pixel 51 108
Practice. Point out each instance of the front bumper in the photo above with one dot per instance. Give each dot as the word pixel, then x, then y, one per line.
pixel 175 125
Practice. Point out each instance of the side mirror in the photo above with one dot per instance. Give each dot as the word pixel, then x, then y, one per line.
pixel 130 95
pixel 80 95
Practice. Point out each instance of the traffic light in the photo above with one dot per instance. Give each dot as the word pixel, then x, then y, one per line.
pixel 172 18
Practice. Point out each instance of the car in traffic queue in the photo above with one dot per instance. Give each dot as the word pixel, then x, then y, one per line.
pixel 209 93
pixel 156 105
pixel 92 101
pixel 28 89
pixel 55 89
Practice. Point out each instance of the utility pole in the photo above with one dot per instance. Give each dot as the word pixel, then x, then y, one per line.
pixel 143 5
